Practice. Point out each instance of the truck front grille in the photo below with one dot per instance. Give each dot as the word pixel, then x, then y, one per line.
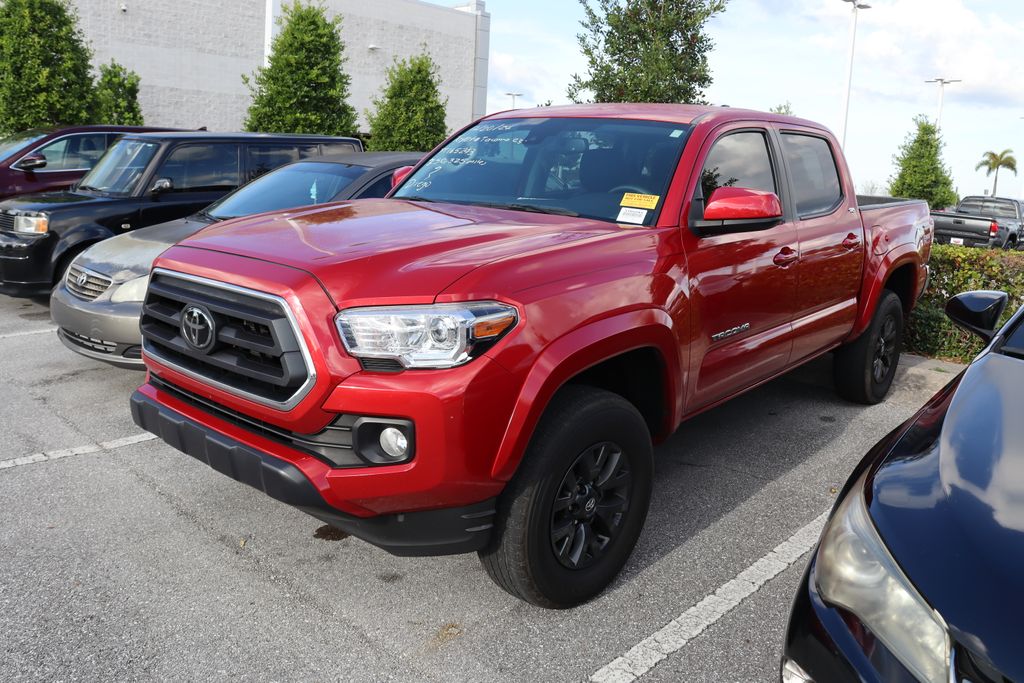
pixel 84 283
pixel 242 341
pixel 6 221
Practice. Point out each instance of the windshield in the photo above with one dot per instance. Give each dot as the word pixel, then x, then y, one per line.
pixel 608 169
pixel 302 184
pixel 12 143
pixel 119 171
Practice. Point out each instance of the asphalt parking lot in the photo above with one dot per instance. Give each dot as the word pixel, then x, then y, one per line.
pixel 122 559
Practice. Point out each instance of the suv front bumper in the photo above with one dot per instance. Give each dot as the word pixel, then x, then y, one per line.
pixel 442 531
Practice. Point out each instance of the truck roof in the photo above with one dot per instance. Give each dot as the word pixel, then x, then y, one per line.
pixel 687 114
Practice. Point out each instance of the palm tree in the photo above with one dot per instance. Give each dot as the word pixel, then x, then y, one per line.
pixel 992 162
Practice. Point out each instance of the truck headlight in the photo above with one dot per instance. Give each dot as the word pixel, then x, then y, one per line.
pixel 132 290
pixel 854 570
pixel 431 336
pixel 32 223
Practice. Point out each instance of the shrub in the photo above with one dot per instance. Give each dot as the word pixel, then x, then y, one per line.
pixel 303 89
pixel 117 96
pixel 956 270
pixel 45 76
pixel 409 115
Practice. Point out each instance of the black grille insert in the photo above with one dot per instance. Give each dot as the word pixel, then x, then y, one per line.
pixel 257 352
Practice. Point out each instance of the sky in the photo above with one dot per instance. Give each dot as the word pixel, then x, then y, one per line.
pixel 772 51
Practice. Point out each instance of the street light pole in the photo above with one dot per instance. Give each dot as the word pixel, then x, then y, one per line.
pixel 943 82
pixel 514 95
pixel 856 7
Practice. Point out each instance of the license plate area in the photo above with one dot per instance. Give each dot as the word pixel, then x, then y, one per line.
pixel 959 241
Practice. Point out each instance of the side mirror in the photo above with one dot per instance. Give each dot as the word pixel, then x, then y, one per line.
pixel 978 311
pixel 161 185
pixel 738 209
pixel 400 174
pixel 32 162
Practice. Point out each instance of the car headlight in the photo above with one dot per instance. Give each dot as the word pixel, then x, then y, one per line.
pixel 432 336
pixel 32 223
pixel 132 290
pixel 854 570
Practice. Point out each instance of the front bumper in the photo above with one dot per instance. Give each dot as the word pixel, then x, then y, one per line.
pixel 99 329
pixel 25 267
pixel 442 531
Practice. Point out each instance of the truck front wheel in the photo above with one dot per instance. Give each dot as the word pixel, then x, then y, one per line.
pixel 571 516
pixel 864 368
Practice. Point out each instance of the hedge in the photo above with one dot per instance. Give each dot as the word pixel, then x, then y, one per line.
pixel 954 270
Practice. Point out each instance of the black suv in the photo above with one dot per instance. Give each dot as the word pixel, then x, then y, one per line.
pixel 142 180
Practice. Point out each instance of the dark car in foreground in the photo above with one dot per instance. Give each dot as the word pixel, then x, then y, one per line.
pixel 990 222
pixel 97 306
pixel 917 576
pixel 44 160
pixel 142 180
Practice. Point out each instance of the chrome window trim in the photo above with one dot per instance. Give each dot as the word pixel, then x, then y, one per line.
pixel 299 394
pixel 14 166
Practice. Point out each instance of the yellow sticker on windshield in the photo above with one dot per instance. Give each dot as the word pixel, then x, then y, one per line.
pixel 640 201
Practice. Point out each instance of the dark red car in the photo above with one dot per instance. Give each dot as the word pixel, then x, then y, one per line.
pixel 40 160
pixel 481 361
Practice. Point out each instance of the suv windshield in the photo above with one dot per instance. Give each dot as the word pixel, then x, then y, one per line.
pixel 119 171
pixel 301 184
pixel 608 169
pixel 15 141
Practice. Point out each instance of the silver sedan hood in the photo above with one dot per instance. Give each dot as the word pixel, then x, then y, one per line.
pixel 131 255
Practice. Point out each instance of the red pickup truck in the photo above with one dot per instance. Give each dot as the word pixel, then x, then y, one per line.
pixel 482 361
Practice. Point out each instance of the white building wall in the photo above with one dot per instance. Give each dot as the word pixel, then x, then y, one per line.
pixel 191 54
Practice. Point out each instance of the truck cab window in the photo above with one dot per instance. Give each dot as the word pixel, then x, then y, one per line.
pixel 816 186
pixel 738 160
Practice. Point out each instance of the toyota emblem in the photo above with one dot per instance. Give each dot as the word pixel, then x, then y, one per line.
pixel 83 279
pixel 197 328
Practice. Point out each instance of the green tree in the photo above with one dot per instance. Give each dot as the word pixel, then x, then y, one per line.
pixel 786 109
pixel 921 174
pixel 303 88
pixel 117 96
pixel 645 50
pixel 409 116
pixel 992 162
pixel 45 75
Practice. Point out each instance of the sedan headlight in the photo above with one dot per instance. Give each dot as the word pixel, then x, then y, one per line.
pixel 854 570
pixel 32 223
pixel 433 336
pixel 132 290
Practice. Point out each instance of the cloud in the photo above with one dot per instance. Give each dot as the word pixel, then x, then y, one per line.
pixel 540 66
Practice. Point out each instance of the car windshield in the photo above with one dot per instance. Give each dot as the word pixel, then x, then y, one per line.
pixel 12 143
pixel 119 171
pixel 301 184
pixel 608 169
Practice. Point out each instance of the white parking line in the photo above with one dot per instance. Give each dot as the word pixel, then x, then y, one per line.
pixel 28 333
pixel 77 450
pixel 646 654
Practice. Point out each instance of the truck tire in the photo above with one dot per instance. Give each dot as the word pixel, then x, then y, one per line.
pixel 571 516
pixel 864 368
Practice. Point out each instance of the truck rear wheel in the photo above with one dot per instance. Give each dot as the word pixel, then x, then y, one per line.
pixel 571 516
pixel 864 368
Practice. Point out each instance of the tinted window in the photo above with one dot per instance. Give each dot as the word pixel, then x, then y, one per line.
pixel 74 152
pixel 816 187
pixel 378 189
pixel 340 147
pixel 1001 208
pixel 120 169
pixel 263 158
pixel 974 205
pixel 607 169
pixel 202 168
pixel 738 160
pixel 302 184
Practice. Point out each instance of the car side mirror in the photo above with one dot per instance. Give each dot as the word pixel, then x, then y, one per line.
pixel 32 162
pixel 161 185
pixel 739 209
pixel 978 312
pixel 400 174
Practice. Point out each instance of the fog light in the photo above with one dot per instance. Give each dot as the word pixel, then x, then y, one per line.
pixel 393 442
pixel 792 673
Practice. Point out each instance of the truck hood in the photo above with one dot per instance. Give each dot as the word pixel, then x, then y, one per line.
pixel 952 511
pixel 388 250
pixel 131 254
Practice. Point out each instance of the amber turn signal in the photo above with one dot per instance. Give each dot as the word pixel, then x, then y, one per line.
pixel 493 326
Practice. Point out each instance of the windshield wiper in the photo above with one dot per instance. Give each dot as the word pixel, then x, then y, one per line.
pixel 416 198
pixel 553 210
